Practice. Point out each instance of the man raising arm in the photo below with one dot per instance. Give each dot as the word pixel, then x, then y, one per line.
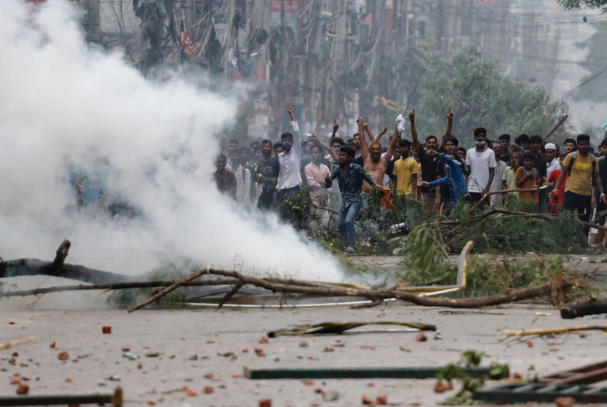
pixel 289 178
pixel 350 178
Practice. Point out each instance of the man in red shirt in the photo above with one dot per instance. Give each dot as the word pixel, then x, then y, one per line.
pixel 225 179
pixel 557 198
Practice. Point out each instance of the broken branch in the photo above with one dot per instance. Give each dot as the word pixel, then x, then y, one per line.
pixel 169 289
pixel 119 286
pixel 581 309
pixel 18 342
pixel 560 330
pixel 515 295
pixel 229 295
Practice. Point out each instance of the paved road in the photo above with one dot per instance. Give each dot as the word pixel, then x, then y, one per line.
pixel 180 335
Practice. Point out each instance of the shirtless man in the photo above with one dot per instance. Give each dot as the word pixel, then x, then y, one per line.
pixel 374 164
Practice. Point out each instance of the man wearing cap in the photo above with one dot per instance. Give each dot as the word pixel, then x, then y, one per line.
pixel 551 161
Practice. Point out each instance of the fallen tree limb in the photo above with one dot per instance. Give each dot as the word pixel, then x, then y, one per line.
pixel 57 265
pixel 229 295
pixel 547 289
pixel 119 286
pixel 169 289
pixel 101 279
pixel 560 330
pixel 273 284
pixel 18 342
pixel 581 309
pixel 303 287
pixel 34 267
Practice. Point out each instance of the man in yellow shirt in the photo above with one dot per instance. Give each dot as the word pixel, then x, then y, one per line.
pixel 581 167
pixel 405 171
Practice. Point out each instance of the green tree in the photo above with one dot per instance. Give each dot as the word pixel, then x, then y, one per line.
pixel 596 64
pixel 578 4
pixel 596 60
pixel 481 97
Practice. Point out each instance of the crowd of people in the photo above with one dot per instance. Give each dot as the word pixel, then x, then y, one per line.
pixel 528 174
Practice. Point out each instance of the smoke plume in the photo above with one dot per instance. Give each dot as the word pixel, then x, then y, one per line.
pixel 64 104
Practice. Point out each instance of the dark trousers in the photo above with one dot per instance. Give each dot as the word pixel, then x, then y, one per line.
pixel 580 203
pixel 542 204
pixel 477 197
pixel 266 199
pixel 286 193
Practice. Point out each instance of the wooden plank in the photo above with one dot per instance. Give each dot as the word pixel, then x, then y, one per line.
pixel 63 399
pixel 588 374
pixel 356 373
pixel 506 394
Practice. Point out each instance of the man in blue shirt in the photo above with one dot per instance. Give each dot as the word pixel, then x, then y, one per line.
pixel 454 169
pixel 350 179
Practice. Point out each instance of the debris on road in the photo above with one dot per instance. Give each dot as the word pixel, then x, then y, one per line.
pixel 23 399
pixel 23 389
pixel 18 342
pixel 332 328
pixel 581 309
pixel 359 373
pixel 559 330
pixel 547 393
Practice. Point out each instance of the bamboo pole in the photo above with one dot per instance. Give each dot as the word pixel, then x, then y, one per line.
pixel 554 129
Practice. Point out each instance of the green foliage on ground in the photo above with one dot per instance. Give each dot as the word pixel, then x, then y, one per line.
pixel 480 96
pixel 469 383
pixel 499 233
pixel 510 233
pixel 299 209
pixel 127 298
pixel 427 247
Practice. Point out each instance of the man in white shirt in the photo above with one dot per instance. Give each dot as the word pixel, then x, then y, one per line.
pixel 243 178
pixel 289 178
pixel 551 161
pixel 481 160
pixel 500 167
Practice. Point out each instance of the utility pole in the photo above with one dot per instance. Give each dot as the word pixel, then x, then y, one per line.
pixel 283 59
pixel 92 21
pixel 440 25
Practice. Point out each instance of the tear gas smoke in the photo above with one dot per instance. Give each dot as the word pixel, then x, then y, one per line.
pixel 63 105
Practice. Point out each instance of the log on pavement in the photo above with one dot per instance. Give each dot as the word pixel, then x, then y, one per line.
pixel 581 309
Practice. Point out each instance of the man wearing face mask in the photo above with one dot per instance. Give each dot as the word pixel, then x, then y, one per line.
pixel 481 160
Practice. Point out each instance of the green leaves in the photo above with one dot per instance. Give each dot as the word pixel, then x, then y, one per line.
pixel 577 4
pixel 481 97
pixel 470 383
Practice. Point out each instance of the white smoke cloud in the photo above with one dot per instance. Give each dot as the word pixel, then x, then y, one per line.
pixel 63 102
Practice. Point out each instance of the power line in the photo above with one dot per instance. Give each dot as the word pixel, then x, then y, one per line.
pixel 583 83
